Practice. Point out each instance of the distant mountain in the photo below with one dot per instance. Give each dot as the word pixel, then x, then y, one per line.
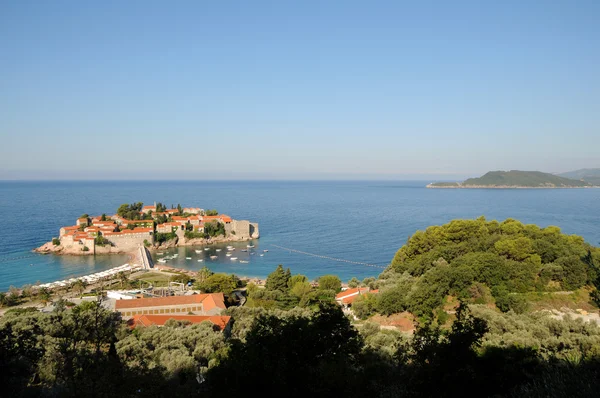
pixel 515 179
pixel 590 175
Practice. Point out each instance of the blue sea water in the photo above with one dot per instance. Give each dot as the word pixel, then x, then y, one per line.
pixel 359 221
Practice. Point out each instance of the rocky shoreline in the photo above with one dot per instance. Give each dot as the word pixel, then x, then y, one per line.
pixel 51 248
pixel 500 187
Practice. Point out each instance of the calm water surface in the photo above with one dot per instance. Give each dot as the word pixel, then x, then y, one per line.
pixel 359 221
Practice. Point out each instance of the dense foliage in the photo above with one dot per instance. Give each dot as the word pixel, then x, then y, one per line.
pixel 130 211
pixel 88 351
pixel 470 259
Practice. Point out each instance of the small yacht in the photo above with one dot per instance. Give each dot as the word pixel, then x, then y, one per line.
pixel 198 251
pixel 228 254
pixel 162 260
pixel 244 261
pixel 233 258
pixel 188 258
pixel 207 248
pixel 214 257
pixel 250 246
pixel 262 255
pixel 218 250
pixel 200 260
pixel 265 250
pixel 244 250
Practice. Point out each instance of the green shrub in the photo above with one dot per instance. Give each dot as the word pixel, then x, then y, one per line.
pixel 55 241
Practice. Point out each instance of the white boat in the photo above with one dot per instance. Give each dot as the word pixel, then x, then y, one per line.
pixel 200 260
pixel 250 246
pixel 175 255
pixel 233 258
pixel 265 250
pixel 198 251
pixel 207 248
pixel 214 257
pixel 229 247
pixel 228 254
pixel 188 258
pixel 218 250
pixel 262 255
pixel 244 250
pixel 244 261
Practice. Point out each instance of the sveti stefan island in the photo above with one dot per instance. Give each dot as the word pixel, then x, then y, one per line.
pixel 300 199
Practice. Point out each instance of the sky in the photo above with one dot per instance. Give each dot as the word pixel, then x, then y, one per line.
pixel 297 89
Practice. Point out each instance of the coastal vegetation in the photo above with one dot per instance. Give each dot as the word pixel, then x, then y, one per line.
pixel 515 179
pixel 483 262
pixel 482 294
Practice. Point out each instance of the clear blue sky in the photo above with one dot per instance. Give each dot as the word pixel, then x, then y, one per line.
pixel 282 89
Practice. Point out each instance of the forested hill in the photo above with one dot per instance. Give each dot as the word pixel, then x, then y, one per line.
pixel 486 262
pixel 589 175
pixel 515 179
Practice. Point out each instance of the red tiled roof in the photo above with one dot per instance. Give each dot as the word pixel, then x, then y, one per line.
pixel 179 218
pixel 160 320
pixel 348 295
pixel 209 301
pixel 71 228
pixel 148 207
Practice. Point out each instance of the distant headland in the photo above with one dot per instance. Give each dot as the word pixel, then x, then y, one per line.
pixel 155 226
pixel 516 179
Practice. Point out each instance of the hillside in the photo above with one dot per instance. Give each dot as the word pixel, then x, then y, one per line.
pixel 589 175
pixel 515 179
pixel 484 262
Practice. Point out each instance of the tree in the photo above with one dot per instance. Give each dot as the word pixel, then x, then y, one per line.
pixel 44 295
pixel 300 289
pixel 282 353
pixel 79 286
pixel 330 282
pixel 212 212
pixel 295 279
pixel 103 217
pixel 123 278
pixel 352 283
pixel 278 279
pixel 219 283
pixel 204 273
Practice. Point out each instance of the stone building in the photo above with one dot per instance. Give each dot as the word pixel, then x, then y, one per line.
pixel 197 304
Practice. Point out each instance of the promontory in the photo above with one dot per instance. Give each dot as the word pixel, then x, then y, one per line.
pixel 515 179
pixel 155 226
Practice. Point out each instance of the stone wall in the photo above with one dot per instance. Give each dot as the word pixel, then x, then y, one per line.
pixel 254 234
pixel 243 229
pixel 130 241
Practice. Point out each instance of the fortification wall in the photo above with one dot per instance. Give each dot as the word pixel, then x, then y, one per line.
pixel 241 228
pixel 130 241
pixel 254 234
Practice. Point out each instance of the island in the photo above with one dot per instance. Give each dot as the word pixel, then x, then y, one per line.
pixel 516 179
pixel 155 226
pixel 589 175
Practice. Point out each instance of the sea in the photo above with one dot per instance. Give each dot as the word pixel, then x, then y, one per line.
pixel 346 228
